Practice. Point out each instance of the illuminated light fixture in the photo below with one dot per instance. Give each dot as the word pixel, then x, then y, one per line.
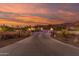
pixel 41 28
pixel 51 29
pixel 29 29
pixel 0 28
pixel 32 28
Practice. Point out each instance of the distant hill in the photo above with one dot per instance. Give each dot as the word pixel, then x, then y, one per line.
pixel 76 24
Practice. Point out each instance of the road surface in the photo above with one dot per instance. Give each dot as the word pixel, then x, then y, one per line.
pixel 39 44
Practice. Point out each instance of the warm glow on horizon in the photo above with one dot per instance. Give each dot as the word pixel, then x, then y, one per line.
pixel 38 20
pixel 3 21
pixel 30 21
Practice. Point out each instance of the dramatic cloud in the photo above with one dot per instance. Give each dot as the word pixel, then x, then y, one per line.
pixel 23 8
pixel 38 13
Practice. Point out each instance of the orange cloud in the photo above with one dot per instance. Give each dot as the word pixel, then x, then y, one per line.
pixel 23 8
pixel 30 9
pixel 30 20
pixel 39 20
pixel 4 21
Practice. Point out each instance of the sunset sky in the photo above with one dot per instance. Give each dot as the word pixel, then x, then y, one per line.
pixel 31 14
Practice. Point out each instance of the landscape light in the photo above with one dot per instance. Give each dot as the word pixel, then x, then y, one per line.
pixel 0 28
pixel 51 29
pixel 41 28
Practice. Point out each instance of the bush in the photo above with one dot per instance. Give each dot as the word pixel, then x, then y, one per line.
pixel 13 35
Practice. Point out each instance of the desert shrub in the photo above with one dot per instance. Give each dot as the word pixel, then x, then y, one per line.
pixel 14 35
